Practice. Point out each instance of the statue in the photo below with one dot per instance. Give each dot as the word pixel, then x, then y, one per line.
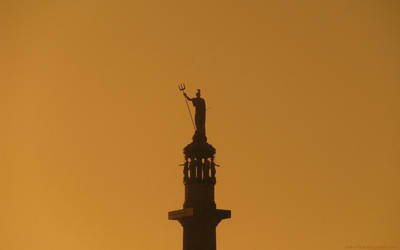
pixel 186 170
pixel 192 169
pixel 200 115
pixel 206 169
pixel 199 169
pixel 213 170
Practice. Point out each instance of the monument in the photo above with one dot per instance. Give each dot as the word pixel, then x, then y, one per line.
pixel 199 216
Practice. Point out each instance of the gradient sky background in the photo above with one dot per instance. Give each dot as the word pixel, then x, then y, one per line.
pixel 303 109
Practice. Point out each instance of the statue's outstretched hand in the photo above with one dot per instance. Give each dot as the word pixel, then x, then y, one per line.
pixel 187 97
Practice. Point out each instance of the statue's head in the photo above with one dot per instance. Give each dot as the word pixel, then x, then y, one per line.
pixel 198 93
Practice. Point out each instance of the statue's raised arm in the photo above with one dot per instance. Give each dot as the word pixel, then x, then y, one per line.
pixel 187 97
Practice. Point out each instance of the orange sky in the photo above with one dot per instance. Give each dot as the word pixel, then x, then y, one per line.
pixel 303 109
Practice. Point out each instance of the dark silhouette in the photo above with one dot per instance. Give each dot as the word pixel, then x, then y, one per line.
pixel 186 171
pixel 199 216
pixel 207 170
pixel 193 169
pixel 200 114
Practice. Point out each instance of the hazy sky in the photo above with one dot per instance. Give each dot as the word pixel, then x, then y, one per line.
pixel 303 109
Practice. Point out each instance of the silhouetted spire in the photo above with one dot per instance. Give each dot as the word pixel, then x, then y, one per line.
pixel 199 216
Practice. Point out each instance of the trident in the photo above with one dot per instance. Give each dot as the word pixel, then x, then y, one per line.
pixel 182 88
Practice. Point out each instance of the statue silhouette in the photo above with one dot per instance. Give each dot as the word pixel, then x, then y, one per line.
pixel 199 170
pixel 186 171
pixel 192 169
pixel 200 115
pixel 199 216
pixel 213 170
pixel 206 173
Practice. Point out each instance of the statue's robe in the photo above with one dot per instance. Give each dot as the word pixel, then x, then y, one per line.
pixel 200 115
